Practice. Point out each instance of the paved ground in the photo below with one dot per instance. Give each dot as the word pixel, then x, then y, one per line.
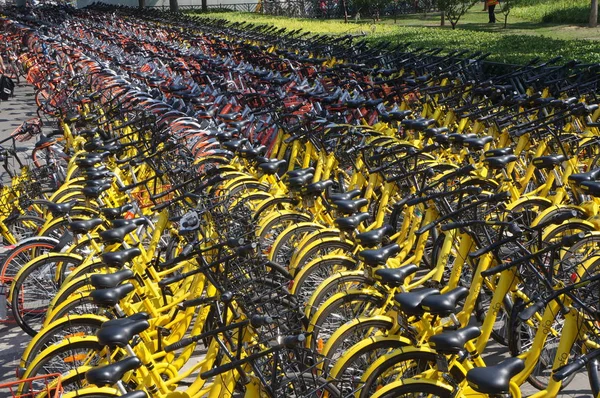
pixel 13 340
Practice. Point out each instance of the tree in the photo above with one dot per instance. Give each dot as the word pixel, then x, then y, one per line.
pixel 204 5
pixel 594 14
pixel 455 9
pixel 372 7
pixel 173 6
pixel 141 3
pixel 505 7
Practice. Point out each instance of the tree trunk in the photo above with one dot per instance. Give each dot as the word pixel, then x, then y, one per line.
pixel 173 5
pixel 594 14
pixel 443 20
pixel 204 5
pixel 345 11
pixel 505 20
pixel 141 3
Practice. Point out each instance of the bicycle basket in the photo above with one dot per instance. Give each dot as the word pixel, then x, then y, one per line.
pixel 48 386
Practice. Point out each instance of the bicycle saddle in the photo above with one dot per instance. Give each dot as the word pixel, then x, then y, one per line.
pixel 95 191
pixel 349 206
pixel 111 374
pixel 453 341
pixel 379 256
pixel 373 103
pixel 84 226
pixel 397 115
pixel 394 277
pixel 418 124
pixel 299 172
pixel 88 161
pixel 433 131
pixel 60 209
pixel 224 136
pixel 234 145
pixel 350 223
pixel 499 162
pixel 120 222
pixel 113 212
pixel 444 304
pixel 298 182
pixel 111 297
pixel 317 188
pixel 591 188
pixel 43 141
pixel 271 168
pixel 498 152
pixel 229 117
pixel 121 334
pixel 374 237
pixel 410 303
pixel 458 139
pixel 97 175
pixel 581 177
pixel 108 281
pixel 251 153
pixel 495 379
pixel 98 182
pixel 120 257
pixel 126 320
pixel 344 195
pixel 477 143
pixel 238 125
pixel 116 235
pixel 548 162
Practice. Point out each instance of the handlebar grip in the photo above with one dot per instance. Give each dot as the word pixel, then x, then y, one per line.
pixel 179 344
pixel 528 312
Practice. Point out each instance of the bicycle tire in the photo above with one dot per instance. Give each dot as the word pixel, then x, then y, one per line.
pixel 330 317
pixel 340 282
pixel 22 253
pixel 285 244
pixel 416 389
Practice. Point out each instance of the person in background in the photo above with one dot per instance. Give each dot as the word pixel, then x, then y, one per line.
pixel 491 4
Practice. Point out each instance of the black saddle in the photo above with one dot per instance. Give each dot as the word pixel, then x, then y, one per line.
pixel 581 177
pixel 410 303
pixel 444 304
pixel 94 192
pixel 127 320
pixel 113 212
pixel 108 281
pixel 350 223
pixel 272 168
pixel 433 131
pixel 495 380
pixel 119 258
pixel 121 222
pixel 591 188
pixel 60 209
pixel 379 256
pixel 111 297
pixel 317 188
pixel 394 277
pixel 499 162
pixel 299 172
pixel 477 143
pixel 296 183
pixel 120 335
pixel 234 145
pixel 548 162
pixel 374 237
pixel 458 139
pixel 498 152
pixel 251 153
pixel 344 195
pixel 85 226
pixel 116 235
pixel 452 342
pixel 110 374
pixel 349 206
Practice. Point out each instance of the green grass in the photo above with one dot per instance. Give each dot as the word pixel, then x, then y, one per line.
pixel 554 11
pixel 519 43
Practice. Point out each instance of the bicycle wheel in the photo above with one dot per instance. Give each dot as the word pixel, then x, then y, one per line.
pixel 414 389
pixel 353 332
pixel 349 369
pixel 286 242
pixel 339 309
pixel 396 366
pixel 24 252
pixel 319 249
pixel 79 304
pixel 23 227
pixel 65 356
pixel 272 228
pixel 34 287
pixel 61 329
pixel 309 278
pixel 340 282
